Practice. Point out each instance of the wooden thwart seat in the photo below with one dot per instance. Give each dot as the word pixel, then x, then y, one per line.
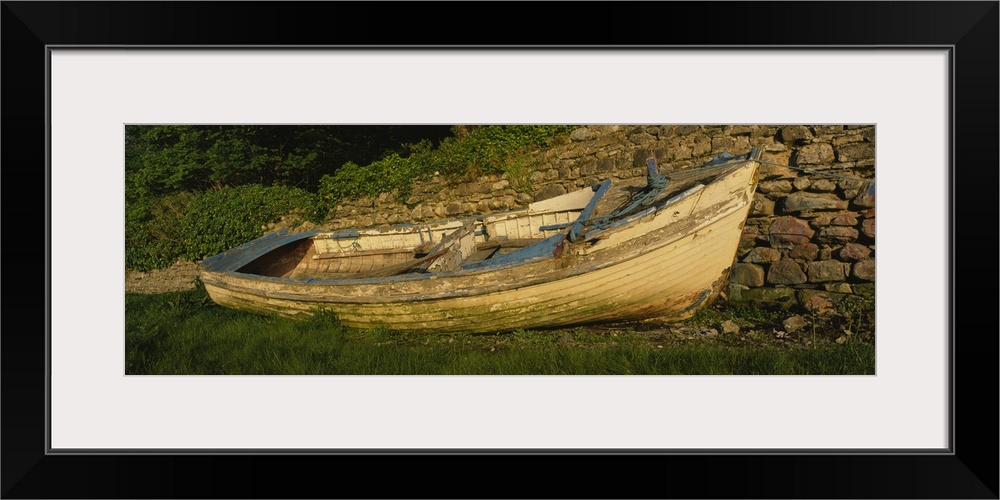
pixel 359 253
pixel 507 243
pixel 447 255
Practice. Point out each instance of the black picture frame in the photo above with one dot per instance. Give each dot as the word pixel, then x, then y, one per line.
pixel 969 470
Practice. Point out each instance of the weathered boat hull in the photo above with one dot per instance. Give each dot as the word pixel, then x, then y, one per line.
pixel 666 264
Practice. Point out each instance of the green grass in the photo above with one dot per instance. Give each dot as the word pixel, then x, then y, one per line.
pixel 186 333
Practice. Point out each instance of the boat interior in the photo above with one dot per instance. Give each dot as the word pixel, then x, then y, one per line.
pixel 482 242
pixel 496 239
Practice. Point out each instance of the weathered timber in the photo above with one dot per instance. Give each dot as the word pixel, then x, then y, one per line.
pixel 663 257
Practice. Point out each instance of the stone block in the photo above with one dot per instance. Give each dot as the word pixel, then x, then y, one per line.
pixel 701 148
pixel 837 235
pixel 767 297
pixel 868 227
pixel 821 220
pixel 581 134
pixel 823 185
pixel 681 152
pixel 687 129
pixel 854 252
pixel 605 165
pixel 846 139
pixel 819 301
pixel 844 220
pixel 785 272
pixel 805 251
pixel 730 144
pixel 838 287
pixel 813 154
pixel 453 208
pixel 786 232
pixel 802 201
pixel 763 131
pixel 761 206
pixel 793 133
pixel 763 254
pixel 667 130
pixel 826 270
pixel 851 183
pixel 639 157
pixel 750 275
pixel 866 198
pixel 795 323
pixel 570 153
pixel 779 186
pixel 828 129
pixel 864 270
pixel 748 239
pixel 550 191
pixel 856 151
pixel 642 138
pixel 867 289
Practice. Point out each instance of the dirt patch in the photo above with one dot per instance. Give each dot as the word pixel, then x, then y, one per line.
pixel 178 277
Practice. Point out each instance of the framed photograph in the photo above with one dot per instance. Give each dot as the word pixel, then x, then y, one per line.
pixel 921 77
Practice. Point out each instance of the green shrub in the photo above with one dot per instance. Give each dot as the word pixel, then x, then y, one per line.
pixel 219 220
pixel 198 225
pixel 352 181
pixel 491 149
pixel 518 171
pixel 162 159
pixel 480 150
pixel 153 231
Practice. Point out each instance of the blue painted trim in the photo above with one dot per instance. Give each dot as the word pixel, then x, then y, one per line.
pixel 346 233
pixel 651 169
pixel 215 258
pixel 574 231
pixel 629 220
pixel 701 298
pixel 720 159
pixel 543 249
pixel 554 227
pixel 233 259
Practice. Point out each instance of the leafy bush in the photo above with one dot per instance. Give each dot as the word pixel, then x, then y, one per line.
pixel 481 150
pixel 162 159
pixel 219 220
pixel 490 149
pixel 153 232
pixel 198 225
pixel 352 181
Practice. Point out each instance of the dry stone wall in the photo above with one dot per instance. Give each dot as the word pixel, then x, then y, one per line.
pixel 811 228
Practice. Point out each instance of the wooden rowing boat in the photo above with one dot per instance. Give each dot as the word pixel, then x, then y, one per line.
pixel 601 254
